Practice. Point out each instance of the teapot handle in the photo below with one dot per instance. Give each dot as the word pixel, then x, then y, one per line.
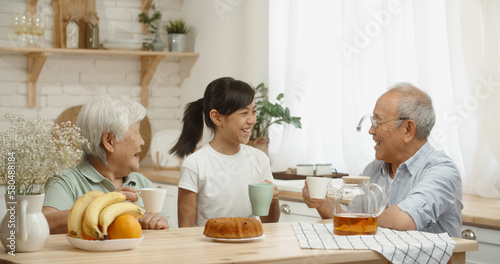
pixel 382 207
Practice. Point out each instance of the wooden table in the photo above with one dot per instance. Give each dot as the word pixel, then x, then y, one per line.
pixel 188 245
pixel 478 211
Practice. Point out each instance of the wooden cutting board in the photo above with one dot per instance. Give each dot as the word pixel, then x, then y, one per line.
pixel 65 10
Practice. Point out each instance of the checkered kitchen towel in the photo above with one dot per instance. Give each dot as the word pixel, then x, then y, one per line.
pixel 396 246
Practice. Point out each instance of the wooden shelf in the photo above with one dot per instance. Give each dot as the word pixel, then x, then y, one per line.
pixel 149 63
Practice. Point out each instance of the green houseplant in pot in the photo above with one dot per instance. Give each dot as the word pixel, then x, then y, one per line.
pixel 267 115
pixel 177 31
pixel 31 151
pixel 153 22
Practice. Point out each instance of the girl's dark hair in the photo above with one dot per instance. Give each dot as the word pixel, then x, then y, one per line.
pixel 226 95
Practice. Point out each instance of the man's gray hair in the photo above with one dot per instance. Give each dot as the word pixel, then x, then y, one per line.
pixel 103 114
pixel 416 105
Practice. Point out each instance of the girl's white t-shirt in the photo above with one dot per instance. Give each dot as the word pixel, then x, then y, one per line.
pixel 221 181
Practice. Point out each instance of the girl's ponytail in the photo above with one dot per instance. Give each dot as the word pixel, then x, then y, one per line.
pixel 192 129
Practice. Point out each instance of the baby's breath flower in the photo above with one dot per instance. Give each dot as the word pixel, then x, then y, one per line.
pixel 40 148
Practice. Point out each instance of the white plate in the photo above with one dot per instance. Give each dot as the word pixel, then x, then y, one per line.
pixel 104 245
pixel 236 239
pixel 162 142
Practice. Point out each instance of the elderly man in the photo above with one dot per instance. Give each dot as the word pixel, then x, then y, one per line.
pixel 423 185
pixel 110 162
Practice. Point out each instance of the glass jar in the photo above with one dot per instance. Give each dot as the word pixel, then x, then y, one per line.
pixel 92 32
pixel 72 35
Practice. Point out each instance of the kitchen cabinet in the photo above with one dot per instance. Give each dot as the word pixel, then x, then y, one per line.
pixel 292 211
pixel 170 205
pixel 149 63
pixel 489 245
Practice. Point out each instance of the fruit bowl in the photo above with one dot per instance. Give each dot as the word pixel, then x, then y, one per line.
pixel 104 245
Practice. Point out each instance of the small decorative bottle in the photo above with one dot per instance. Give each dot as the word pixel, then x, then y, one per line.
pixel 92 33
pixel 72 35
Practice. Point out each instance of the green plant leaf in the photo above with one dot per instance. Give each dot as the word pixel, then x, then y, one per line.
pixel 271 113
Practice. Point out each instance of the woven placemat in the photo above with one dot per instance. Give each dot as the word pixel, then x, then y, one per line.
pixel 71 114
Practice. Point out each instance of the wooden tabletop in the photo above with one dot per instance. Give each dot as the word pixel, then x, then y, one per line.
pixel 477 210
pixel 188 245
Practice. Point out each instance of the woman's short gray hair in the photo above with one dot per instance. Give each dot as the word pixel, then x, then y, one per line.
pixel 107 113
pixel 416 105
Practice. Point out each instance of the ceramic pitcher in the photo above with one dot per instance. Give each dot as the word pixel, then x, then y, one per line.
pixel 357 206
pixel 24 227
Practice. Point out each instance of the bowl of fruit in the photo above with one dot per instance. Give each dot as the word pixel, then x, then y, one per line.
pixel 104 222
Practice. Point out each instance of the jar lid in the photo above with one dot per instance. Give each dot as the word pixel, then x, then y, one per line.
pixel 355 179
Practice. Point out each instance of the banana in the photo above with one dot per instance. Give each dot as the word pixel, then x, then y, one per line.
pixel 88 230
pixel 111 212
pixel 75 217
pixel 94 210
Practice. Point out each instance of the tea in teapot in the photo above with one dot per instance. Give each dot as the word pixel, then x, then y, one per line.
pixel 356 207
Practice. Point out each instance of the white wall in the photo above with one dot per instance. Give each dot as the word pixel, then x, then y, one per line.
pixel 231 37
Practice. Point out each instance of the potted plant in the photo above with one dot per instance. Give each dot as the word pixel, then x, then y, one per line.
pixel 267 115
pixel 177 31
pixel 153 23
pixel 31 151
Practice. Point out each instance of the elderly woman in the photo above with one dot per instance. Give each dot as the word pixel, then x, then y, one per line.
pixel 110 162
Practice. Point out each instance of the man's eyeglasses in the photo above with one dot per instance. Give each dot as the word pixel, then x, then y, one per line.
pixel 376 123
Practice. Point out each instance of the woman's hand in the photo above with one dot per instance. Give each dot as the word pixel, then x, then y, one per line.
pixel 153 221
pixel 130 193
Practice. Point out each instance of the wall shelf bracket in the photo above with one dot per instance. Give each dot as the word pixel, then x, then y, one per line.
pixel 36 60
pixel 149 64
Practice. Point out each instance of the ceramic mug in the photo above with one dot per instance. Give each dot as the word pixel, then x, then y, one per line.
pixel 153 199
pixel 323 169
pixel 261 196
pixel 305 169
pixel 318 186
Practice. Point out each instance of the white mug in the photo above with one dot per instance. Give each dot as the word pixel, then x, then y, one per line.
pixel 153 199
pixel 318 186
pixel 323 169
pixel 305 169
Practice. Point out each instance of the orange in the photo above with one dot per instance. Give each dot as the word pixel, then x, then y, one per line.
pixel 87 237
pixel 124 226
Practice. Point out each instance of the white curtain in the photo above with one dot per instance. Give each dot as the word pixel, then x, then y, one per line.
pixel 333 59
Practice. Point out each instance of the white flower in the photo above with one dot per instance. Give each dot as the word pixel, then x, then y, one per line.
pixel 32 150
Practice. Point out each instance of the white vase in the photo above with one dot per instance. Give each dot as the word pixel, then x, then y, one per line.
pixel 24 227
pixel 177 42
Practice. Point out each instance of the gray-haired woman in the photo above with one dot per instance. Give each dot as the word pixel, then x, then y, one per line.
pixel 110 161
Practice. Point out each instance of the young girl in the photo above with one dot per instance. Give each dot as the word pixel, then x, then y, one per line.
pixel 214 179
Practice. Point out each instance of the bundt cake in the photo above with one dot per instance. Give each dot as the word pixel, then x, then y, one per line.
pixel 233 227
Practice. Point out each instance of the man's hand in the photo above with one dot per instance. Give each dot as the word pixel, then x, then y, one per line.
pixel 324 206
pixel 311 202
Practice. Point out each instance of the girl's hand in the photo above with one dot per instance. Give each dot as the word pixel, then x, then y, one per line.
pixel 275 193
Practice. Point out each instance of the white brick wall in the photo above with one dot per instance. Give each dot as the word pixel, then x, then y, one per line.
pixel 68 80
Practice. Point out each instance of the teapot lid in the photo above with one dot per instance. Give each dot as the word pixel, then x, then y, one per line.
pixel 355 179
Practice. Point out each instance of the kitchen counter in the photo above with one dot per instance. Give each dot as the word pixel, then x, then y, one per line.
pixel 477 211
pixel 188 245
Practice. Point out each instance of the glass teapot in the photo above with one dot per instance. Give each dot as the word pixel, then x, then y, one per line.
pixel 357 206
